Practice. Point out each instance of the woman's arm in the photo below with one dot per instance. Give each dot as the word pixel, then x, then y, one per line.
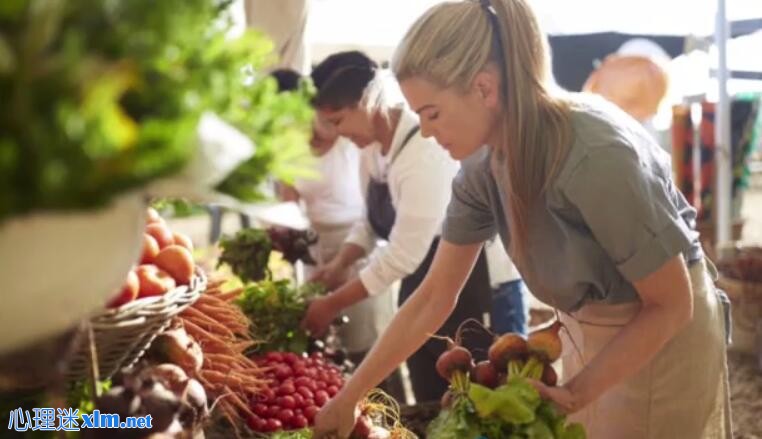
pixel 421 315
pixel 286 192
pixel 667 307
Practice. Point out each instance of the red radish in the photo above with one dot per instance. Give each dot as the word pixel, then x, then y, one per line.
pixel 303 381
pixel 286 389
pixel 305 392
pixel 260 409
pixel 456 359
pixel 379 433
pixel 298 400
pixel 273 411
pixel 310 412
pixel 285 416
pixel 363 427
pixel 273 425
pixel 290 358
pixel 299 369
pixel 287 402
pixel 321 398
pixel 299 421
pixel 274 357
pixel 257 424
pixel 267 394
pixel 282 372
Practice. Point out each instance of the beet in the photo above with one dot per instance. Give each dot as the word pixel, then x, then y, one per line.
pixel 456 359
pixel 485 374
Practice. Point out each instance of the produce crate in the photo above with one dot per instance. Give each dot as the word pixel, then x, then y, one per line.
pixel 123 334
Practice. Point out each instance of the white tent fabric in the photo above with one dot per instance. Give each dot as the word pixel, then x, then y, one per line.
pixel 383 23
pixel 285 21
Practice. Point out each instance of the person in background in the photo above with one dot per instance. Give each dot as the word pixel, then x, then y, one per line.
pixel 406 181
pixel 509 294
pixel 333 204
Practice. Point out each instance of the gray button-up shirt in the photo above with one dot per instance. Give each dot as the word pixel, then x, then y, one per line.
pixel 612 215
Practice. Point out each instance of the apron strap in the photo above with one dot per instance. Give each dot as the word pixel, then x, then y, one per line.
pixel 405 141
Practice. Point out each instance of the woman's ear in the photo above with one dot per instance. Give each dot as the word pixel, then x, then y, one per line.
pixel 486 87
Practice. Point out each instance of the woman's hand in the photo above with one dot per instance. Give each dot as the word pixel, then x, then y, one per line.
pixel 331 275
pixel 563 397
pixel 321 312
pixel 336 419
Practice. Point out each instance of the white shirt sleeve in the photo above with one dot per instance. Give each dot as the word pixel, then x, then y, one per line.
pixel 421 178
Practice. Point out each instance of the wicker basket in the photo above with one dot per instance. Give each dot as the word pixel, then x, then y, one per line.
pixel 123 334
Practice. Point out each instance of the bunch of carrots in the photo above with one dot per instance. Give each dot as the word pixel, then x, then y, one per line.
pixel 222 331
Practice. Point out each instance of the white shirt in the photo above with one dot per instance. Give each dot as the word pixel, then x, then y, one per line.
pixel 420 184
pixel 499 264
pixel 334 197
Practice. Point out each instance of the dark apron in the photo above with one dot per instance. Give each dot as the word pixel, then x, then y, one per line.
pixel 473 302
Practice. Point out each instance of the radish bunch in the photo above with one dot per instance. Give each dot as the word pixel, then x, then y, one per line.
pixel 298 387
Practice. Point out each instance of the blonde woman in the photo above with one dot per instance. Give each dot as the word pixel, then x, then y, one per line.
pixel 583 200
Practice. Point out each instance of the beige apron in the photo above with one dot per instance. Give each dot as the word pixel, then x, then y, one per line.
pixel 368 318
pixel 682 394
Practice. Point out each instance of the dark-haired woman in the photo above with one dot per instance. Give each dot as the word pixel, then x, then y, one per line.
pixel 407 185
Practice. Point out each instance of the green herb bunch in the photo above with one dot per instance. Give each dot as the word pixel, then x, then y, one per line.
pixel 98 97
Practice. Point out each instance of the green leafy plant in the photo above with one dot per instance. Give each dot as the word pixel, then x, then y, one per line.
pixel 247 253
pixel 276 308
pixel 98 97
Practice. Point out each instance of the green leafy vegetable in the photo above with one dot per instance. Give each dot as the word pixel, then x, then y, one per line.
pixel 276 308
pixel 299 434
pixel 512 411
pixel 98 97
pixel 247 253
pixel 457 422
